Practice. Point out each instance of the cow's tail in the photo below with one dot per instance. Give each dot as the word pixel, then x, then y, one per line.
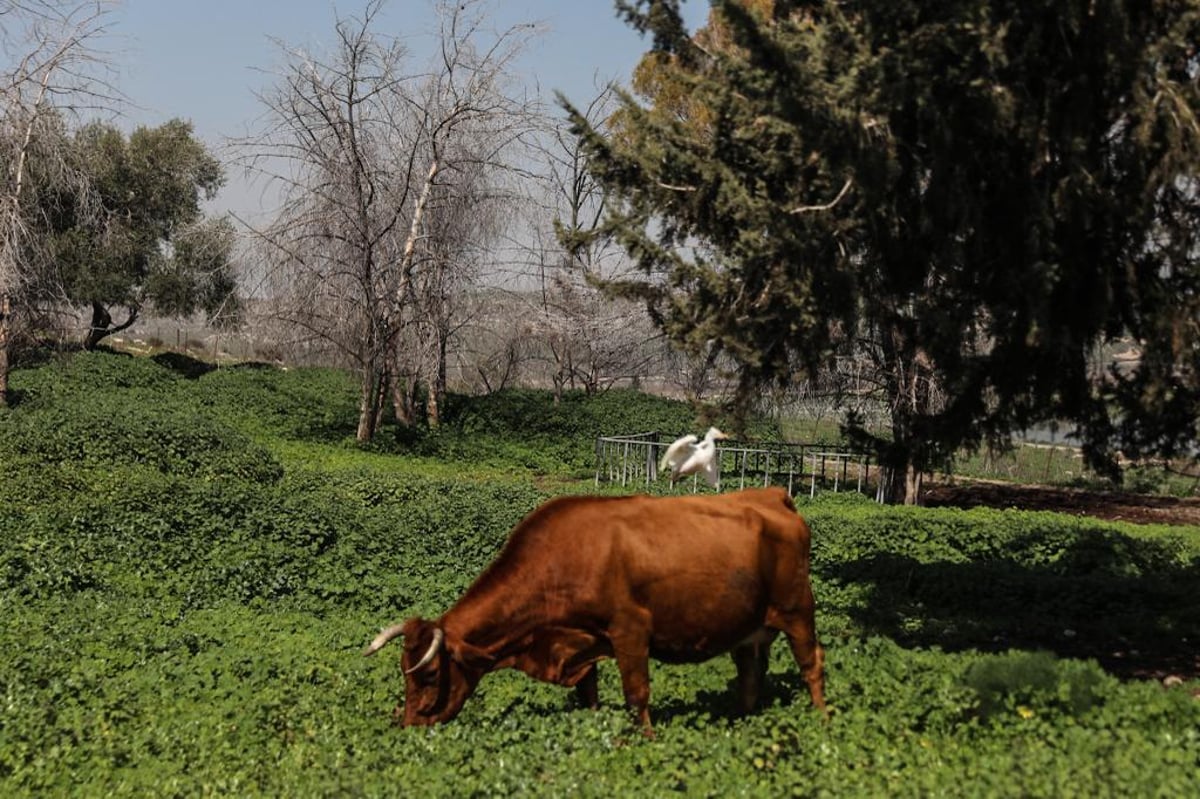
pixel 382 639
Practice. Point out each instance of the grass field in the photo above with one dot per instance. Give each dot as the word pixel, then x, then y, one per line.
pixel 191 565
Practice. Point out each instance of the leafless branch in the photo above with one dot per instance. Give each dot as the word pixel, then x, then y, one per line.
pixel 391 178
pixel 804 209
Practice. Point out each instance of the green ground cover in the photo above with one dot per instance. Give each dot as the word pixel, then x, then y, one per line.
pixel 191 564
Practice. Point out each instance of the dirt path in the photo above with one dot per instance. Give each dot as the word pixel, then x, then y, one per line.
pixel 1115 506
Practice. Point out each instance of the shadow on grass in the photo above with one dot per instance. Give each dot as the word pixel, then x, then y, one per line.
pixel 1130 604
pixel 185 365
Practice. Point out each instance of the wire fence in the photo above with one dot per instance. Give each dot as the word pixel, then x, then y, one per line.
pixel 633 460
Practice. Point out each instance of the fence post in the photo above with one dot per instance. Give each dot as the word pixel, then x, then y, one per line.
pixel 652 457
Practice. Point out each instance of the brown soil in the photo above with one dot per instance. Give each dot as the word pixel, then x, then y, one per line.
pixel 1115 506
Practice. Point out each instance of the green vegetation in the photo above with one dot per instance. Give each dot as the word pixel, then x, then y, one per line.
pixel 921 190
pixel 187 591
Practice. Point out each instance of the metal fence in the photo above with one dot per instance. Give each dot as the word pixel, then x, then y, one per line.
pixel 633 460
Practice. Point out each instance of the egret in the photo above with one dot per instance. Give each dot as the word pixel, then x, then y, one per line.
pixel 690 455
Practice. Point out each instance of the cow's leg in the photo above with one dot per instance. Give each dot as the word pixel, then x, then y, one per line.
pixel 635 682
pixel 801 630
pixel 810 656
pixel 631 646
pixel 587 690
pixel 751 662
pixel 752 656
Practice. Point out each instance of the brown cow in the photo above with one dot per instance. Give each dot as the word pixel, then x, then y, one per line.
pixel 680 579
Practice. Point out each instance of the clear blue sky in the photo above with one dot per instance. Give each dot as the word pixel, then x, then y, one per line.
pixel 202 60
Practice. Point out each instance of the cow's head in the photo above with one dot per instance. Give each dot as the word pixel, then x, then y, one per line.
pixel 439 674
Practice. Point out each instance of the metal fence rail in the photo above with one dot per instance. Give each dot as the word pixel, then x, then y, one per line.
pixel 633 460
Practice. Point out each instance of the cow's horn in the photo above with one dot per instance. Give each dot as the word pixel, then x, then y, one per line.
pixel 381 640
pixel 438 636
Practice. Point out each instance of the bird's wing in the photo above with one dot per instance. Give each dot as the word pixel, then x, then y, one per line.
pixel 678 452
pixel 701 454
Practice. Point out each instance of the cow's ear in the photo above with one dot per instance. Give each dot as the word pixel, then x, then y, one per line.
pixel 415 627
pixel 471 656
pixel 422 642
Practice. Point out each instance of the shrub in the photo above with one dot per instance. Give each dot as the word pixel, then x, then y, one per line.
pixel 183 365
pixel 389 543
pixel 103 431
pixel 1029 682
pixel 992 578
pixel 526 428
pixel 312 404
pixel 79 376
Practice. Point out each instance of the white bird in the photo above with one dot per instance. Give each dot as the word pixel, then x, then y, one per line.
pixel 689 455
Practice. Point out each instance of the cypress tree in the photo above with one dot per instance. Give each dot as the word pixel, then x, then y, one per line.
pixel 974 197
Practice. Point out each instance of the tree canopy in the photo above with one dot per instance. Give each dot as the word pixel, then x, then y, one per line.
pixel 131 233
pixel 975 196
pixel 150 244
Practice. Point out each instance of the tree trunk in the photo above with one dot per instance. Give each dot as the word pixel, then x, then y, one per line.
pixel 404 399
pixel 904 461
pixel 5 310
pixel 398 381
pixel 101 320
pixel 912 484
pixel 400 404
pixel 437 386
pixel 102 325
pixel 432 412
pixel 909 381
pixel 902 477
pixel 368 392
pixel 382 385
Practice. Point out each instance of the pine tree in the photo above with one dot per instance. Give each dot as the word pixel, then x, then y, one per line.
pixel 977 196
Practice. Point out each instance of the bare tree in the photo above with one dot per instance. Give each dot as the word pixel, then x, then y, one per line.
pixel 468 210
pixel 696 377
pixel 587 340
pixel 331 149
pixel 56 72
pixel 378 168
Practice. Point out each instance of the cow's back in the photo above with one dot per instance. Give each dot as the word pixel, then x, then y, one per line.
pixel 651 538
pixel 703 570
